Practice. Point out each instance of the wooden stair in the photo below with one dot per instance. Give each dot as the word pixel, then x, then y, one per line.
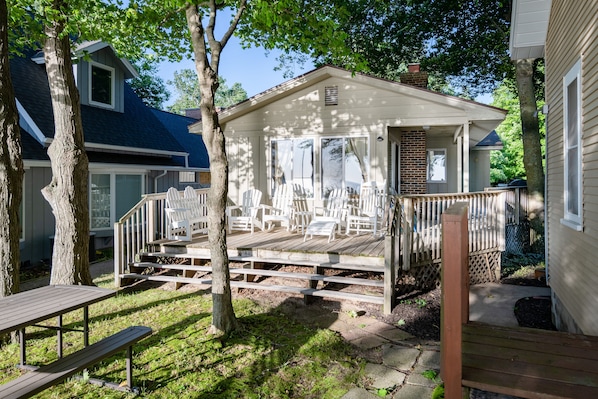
pixel 185 275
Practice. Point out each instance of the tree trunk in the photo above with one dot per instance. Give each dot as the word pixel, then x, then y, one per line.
pixel 11 170
pixel 223 315
pixel 532 150
pixel 67 193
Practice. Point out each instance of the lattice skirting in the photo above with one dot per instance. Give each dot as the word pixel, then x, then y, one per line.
pixel 483 268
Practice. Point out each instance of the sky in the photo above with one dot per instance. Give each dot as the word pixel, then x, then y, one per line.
pixel 253 68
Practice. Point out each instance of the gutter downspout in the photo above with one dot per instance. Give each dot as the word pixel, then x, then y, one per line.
pixel 159 177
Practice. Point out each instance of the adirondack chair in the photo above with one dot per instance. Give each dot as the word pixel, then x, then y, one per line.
pixel 335 209
pixel 197 206
pixel 281 209
pixel 244 217
pixel 301 210
pixel 368 214
pixel 178 218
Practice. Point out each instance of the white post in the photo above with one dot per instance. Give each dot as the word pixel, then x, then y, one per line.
pixel 466 157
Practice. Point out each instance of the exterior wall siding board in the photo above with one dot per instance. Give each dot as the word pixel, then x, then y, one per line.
pixel 571 254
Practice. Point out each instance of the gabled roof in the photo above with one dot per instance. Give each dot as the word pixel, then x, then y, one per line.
pixel 491 142
pixel 483 117
pixel 529 25
pixel 93 46
pixel 178 126
pixel 136 130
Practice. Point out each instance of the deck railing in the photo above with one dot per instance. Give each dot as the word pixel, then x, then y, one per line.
pixel 421 224
pixel 144 223
pixel 413 222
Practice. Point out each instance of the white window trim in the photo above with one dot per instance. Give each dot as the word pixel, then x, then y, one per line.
pixel 112 82
pixel 445 165
pixel 571 220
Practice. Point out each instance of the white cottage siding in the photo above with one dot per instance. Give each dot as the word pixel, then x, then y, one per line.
pixel 573 269
pixel 366 107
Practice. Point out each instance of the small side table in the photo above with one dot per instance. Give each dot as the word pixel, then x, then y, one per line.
pixel 320 228
pixel 302 220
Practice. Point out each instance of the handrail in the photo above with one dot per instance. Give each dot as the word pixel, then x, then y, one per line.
pixel 144 223
pixel 421 224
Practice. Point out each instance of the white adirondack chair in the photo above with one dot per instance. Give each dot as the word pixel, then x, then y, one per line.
pixel 335 209
pixel 368 214
pixel 198 210
pixel 281 209
pixel 178 217
pixel 244 217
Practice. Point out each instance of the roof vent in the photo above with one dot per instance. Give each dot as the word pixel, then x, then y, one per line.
pixel 331 95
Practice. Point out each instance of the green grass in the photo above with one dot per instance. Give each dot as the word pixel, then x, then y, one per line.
pixel 269 356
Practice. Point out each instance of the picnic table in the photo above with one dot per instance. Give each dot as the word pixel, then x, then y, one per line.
pixel 28 308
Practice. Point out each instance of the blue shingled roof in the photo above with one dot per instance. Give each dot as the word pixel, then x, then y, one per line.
pixel 136 127
pixel 193 143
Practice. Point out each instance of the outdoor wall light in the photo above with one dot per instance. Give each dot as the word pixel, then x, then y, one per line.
pixel 380 138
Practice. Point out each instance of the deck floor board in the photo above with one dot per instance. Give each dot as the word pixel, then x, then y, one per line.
pixel 289 245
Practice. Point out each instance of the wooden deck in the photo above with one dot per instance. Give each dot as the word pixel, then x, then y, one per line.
pixel 333 269
pixel 281 245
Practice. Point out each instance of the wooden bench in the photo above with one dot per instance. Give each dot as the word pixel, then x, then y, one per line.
pixel 44 377
pixel 524 362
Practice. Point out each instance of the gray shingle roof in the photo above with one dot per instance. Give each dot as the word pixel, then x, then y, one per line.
pixel 137 127
pixel 193 143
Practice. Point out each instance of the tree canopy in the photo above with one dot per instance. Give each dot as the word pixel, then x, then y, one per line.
pixel 188 94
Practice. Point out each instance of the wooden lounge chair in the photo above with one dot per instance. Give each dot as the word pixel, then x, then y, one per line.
pixel 281 210
pixel 368 214
pixel 186 215
pixel 244 217
pixel 335 209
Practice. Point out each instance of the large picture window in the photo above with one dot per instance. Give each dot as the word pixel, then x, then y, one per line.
pixel 293 162
pixel 101 85
pixel 111 196
pixel 345 163
pixel 572 147
pixel 436 160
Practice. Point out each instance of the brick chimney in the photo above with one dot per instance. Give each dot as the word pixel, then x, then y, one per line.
pixel 414 77
pixel 194 113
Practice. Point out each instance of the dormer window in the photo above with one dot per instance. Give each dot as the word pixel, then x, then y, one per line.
pixel 101 85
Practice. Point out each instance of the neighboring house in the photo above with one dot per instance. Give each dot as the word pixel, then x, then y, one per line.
pixel 132 149
pixel 331 128
pixel 567 30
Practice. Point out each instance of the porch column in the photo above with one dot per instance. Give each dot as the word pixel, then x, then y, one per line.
pixel 460 164
pixel 466 157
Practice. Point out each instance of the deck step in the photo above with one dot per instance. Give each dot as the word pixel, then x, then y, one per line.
pixel 278 261
pixel 271 273
pixel 265 287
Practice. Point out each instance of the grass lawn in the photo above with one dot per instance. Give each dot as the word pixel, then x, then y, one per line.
pixel 270 356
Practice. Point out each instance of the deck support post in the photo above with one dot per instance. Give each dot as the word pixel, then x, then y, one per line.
pixel 455 296
pixel 313 284
pixel 253 265
pixel 389 273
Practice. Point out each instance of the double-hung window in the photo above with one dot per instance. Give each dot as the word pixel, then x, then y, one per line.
pixel 345 163
pixel 293 162
pixel 436 165
pixel 572 148
pixel 101 85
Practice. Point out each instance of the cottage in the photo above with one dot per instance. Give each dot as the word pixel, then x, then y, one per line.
pixel 132 149
pixel 332 129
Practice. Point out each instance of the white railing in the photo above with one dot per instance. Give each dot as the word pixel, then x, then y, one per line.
pixel 420 232
pixel 146 222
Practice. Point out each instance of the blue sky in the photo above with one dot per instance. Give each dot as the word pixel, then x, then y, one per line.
pixel 253 68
